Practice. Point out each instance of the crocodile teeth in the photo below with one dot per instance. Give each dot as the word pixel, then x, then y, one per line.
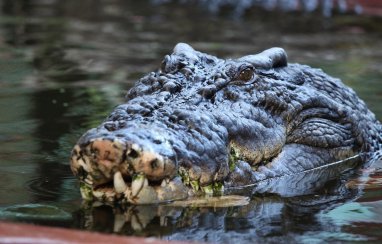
pixel 119 184
pixel 138 183
pixel 165 182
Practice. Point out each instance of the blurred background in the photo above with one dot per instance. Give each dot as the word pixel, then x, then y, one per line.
pixel 65 64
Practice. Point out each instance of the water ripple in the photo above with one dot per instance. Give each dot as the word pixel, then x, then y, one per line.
pixel 58 189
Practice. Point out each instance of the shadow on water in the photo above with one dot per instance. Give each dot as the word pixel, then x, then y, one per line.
pixel 65 64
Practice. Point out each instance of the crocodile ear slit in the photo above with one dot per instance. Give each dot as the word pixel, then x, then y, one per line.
pixel 271 58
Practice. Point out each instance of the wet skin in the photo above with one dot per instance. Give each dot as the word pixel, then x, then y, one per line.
pixel 203 124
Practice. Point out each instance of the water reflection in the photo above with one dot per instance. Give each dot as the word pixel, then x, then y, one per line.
pixel 269 217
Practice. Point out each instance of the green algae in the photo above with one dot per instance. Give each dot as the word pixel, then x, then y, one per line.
pixel 86 192
pixel 215 188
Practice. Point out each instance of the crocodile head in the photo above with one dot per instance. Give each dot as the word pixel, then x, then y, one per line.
pixel 201 124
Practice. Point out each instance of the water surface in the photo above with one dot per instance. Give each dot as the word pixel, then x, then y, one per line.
pixel 65 64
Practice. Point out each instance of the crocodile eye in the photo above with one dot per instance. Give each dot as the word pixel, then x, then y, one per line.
pixel 246 74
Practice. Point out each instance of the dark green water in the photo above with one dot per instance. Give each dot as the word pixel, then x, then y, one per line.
pixel 65 64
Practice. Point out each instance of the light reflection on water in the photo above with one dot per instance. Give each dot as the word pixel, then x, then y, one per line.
pixel 65 65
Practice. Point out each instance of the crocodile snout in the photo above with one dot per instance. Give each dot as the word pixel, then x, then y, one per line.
pixel 137 171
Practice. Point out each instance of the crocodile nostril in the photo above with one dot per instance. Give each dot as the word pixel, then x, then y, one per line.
pixel 154 163
pixel 133 153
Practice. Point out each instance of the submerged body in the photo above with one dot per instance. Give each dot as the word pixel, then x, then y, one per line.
pixel 204 124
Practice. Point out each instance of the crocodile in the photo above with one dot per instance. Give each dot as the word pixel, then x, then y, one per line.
pixel 201 125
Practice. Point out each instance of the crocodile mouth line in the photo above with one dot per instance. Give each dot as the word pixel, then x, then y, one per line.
pixel 118 182
pixel 116 171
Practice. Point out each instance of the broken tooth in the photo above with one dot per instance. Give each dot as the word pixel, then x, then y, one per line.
pixel 139 181
pixel 119 184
